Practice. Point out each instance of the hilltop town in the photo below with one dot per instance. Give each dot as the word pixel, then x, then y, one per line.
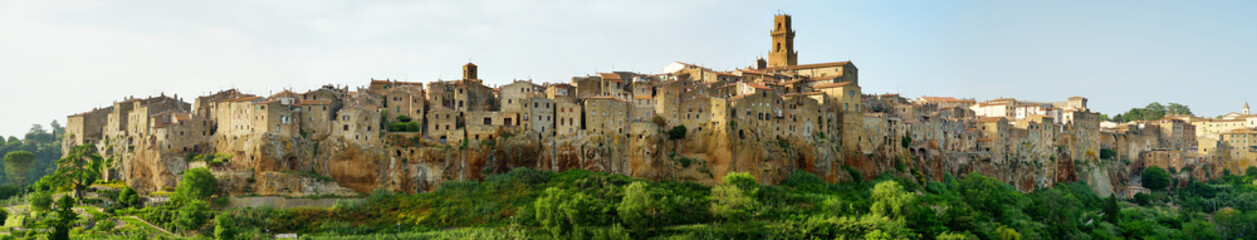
pixel 690 123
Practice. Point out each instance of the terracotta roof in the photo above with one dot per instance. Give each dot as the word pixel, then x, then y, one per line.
pixel 756 85
pixel 183 116
pixel 940 99
pixel 610 77
pixel 314 102
pixel 642 97
pixel 814 65
pixel 989 119
pixel 831 85
pixel 243 99
pixel 266 102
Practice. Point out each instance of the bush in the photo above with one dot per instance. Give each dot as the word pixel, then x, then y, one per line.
pixel 104 225
pixel 1155 178
pixel 1251 171
pixel 224 228
pixel 197 184
pixel 677 132
pixel 192 215
pixel 41 200
pixel 128 197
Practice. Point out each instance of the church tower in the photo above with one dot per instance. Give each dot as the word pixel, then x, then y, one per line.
pixel 469 71
pixel 1246 108
pixel 782 53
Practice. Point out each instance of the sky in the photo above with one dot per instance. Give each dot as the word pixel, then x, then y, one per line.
pixel 59 58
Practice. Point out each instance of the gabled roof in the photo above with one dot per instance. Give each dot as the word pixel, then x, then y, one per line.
pixel 610 77
pixel 807 66
pixel 756 85
pixel 831 85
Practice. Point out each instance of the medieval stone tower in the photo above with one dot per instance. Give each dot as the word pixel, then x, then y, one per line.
pixel 469 71
pixel 782 53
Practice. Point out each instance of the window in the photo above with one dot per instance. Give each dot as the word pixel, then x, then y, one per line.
pixel 488 121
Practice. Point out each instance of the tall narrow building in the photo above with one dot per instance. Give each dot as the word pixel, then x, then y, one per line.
pixel 782 54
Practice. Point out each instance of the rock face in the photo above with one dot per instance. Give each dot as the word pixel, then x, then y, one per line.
pixel 270 165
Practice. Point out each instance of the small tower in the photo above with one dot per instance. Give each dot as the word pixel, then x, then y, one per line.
pixel 469 71
pixel 782 53
pixel 1246 108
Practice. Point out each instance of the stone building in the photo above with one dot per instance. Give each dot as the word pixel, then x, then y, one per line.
pixel 605 115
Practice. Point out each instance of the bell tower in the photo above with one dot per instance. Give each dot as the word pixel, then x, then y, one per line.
pixel 782 53
pixel 469 71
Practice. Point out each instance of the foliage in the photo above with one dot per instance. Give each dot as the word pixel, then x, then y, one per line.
pixel 128 197
pixel 192 215
pixel 43 143
pixel 1154 111
pixel 65 218
pixel 1107 153
pixel 197 184
pixel 17 164
pixel 890 200
pixel 41 200
pixel 1155 178
pixel 579 204
pixel 224 228
pixel 677 132
pixel 80 168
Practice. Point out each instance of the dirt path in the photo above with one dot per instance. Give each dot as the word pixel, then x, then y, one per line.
pixel 155 226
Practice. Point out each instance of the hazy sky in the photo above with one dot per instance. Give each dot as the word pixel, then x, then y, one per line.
pixel 63 57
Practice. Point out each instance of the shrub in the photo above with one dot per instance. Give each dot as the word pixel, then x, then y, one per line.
pixel 104 225
pixel 41 200
pixel 192 215
pixel 677 132
pixel 128 197
pixel 1155 178
pixel 197 184
pixel 224 228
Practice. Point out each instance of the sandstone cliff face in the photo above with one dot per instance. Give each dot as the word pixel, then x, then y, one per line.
pixel 266 164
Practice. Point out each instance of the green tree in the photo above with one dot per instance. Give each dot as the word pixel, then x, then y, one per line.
pixel 956 236
pixel 192 215
pixel 640 209
pixel 80 168
pixel 41 200
pixel 128 197
pixel 224 228
pixel 890 200
pixel 563 212
pixel 65 218
pixel 197 184
pixel 17 164
pixel 1111 209
pixel 1200 230
pixel 1251 171
pixel 1155 178
pixel 4 215
pixel 734 201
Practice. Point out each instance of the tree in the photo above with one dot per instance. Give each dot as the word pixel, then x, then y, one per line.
pixel 224 228
pixel 735 199
pixel 1111 209
pixel 640 209
pixel 65 219
pixel 563 212
pixel 192 215
pixel 197 184
pixel 17 164
pixel 80 168
pixel 890 200
pixel 41 200
pixel 4 215
pixel 128 197
pixel 1250 171
pixel 1155 178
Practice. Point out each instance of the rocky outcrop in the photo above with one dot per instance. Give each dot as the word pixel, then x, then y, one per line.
pixel 266 164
